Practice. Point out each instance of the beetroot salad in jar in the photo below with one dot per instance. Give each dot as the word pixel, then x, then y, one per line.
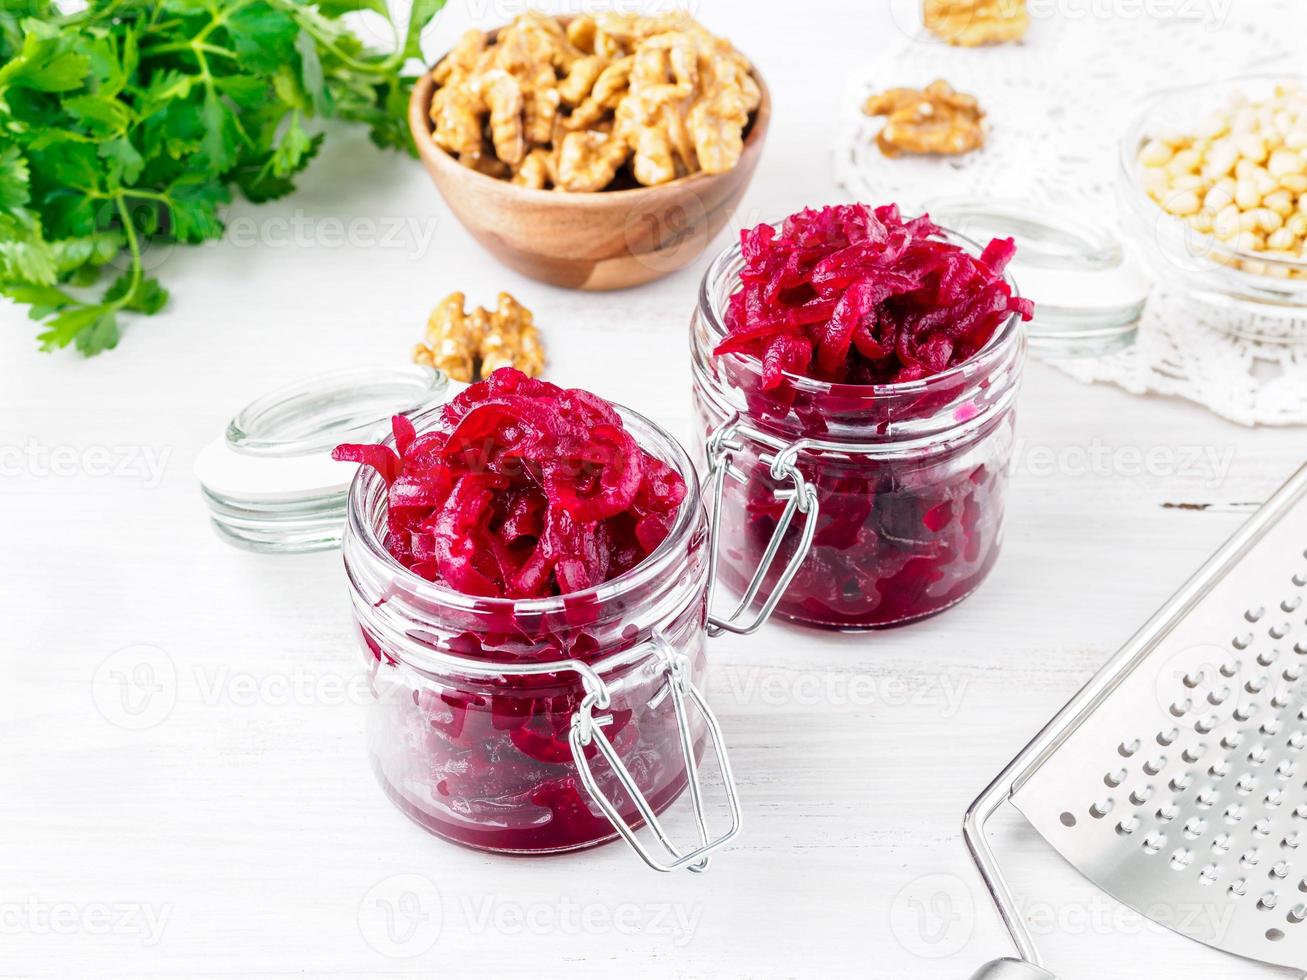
pixel 528 570
pixel 855 375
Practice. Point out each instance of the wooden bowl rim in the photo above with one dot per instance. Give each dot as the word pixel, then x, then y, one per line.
pixel 419 124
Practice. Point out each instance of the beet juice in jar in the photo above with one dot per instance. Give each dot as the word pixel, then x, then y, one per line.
pixel 528 574
pixel 855 375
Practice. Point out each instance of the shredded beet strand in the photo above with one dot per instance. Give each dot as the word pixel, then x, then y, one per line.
pixel 852 295
pixel 522 490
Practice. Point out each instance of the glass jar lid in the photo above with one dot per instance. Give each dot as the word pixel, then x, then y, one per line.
pixel 1088 286
pixel 270 482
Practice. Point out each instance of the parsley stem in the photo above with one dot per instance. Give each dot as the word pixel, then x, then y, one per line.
pixel 207 78
pixel 150 195
pixel 191 46
pixel 366 68
pixel 134 245
pixel 220 17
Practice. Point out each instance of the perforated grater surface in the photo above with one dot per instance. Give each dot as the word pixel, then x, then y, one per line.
pixel 1176 780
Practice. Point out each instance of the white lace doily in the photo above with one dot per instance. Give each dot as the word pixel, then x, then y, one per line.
pixel 1178 352
pixel 1058 103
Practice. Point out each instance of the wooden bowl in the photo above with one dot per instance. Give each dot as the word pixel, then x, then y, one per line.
pixel 589 240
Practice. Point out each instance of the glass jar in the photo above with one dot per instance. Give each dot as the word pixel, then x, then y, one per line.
pixel 851 506
pixel 543 725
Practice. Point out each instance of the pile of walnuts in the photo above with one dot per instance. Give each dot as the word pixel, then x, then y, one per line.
pixel 605 100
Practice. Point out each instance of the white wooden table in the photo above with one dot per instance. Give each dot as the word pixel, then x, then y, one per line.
pixel 230 825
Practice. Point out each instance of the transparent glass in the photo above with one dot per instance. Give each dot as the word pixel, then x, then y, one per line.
pixel 1092 289
pixel 485 760
pixel 910 478
pixel 1247 293
pixel 270 483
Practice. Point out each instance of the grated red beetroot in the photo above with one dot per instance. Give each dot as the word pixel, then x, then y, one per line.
pixel 841 328
pixel 849 295
pixel 523 490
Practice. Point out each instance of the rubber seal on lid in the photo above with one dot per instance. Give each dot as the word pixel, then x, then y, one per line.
pixel 1088 286
pixel 270 482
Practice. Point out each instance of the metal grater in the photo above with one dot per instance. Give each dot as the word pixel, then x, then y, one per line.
pixel 1177 778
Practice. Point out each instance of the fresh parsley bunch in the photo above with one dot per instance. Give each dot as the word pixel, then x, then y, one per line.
pixel 131 121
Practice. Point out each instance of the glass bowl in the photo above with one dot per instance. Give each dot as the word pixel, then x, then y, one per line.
pixel 1248 293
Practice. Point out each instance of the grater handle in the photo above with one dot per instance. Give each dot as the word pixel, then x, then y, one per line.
pixel 1012 970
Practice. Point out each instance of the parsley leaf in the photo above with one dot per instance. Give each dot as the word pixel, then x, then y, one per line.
pixel 14 177
pixel 263 35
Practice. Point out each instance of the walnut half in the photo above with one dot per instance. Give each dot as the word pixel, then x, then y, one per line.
pixel 935 120
pixel 971 23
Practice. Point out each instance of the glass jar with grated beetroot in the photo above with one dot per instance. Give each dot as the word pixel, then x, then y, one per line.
pixel 528 570
pixel 856 374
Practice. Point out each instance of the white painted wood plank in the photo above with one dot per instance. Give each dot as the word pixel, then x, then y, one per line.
pixel 250 828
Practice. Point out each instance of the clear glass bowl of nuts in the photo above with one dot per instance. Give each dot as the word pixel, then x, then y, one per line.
pixel 1213 186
